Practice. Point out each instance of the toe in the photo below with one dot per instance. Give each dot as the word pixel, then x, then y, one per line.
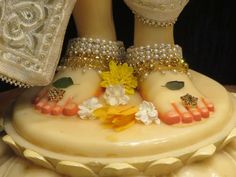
pixel 42 93
pixel 196 114
pixel 185 114
pixel 99 92
pixel 187 117
pixel 208 104
pixel 47 108
pixel 203 109
pixel 170 118
pixel 57 110
pixel 41 103
pixel 70 109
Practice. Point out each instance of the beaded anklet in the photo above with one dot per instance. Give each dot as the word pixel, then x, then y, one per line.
pixel 89 53
pixel 159 57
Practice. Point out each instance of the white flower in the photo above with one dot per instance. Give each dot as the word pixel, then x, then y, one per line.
pixel 115 95
pixel 147 113
pixel 87 107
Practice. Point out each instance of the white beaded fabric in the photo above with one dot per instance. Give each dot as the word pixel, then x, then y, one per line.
pixel 31 37
pixel 157 12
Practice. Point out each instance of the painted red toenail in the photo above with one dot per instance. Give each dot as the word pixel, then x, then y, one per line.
pixel 57 110
pixel 46 109
pixel 171 118
pixel 196 115
pixel 204 112
pixel 211 107
pixel 70 109
pixel 187 117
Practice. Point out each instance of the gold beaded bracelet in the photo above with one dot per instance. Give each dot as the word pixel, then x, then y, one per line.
pixel 88 53
pixel 159 57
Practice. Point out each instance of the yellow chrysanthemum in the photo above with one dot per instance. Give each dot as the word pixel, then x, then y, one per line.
pixel 120 75
pixel 117 117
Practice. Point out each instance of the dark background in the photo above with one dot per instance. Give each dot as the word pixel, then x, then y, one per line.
pixel 205 30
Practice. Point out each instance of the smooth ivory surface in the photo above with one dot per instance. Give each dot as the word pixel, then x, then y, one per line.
pixel 86 138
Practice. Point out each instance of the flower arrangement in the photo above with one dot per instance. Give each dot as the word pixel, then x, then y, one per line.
pixel 120 74
pixel 119 83
pixel 117 113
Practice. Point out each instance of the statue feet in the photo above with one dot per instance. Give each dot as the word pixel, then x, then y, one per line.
pixel 166 83
pixel 175 97
pixel 80 79
pixel 54 101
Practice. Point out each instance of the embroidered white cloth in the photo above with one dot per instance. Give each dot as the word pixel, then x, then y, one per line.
pixel 31 37
pixel 159 10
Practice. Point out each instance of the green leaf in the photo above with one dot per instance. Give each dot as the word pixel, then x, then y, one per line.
pixel 175 85
pixel 63 82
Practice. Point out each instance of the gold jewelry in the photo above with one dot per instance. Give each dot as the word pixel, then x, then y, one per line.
pixel 88 53
pixel 156 13
pixel 189 100
pixel 159 57
pixel 55 94
pixel 154 23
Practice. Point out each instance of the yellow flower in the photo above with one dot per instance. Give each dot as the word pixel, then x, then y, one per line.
pixel 120 75
pixel 117 117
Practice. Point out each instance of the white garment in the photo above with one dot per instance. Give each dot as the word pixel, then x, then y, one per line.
pixel 31 37
pixel 159 10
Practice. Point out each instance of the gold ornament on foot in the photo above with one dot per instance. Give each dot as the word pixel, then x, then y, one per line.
pixel 159 57
pixel 55 94
pixel 189 100
pixel 88 53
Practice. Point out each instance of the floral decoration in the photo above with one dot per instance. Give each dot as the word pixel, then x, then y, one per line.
pixel 87 107
pixel 115 95
pixel 120 74
pixel 117 117
pixel 147 113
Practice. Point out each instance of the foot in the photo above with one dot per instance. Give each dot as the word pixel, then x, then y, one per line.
pixel 168 102
pixel 86 85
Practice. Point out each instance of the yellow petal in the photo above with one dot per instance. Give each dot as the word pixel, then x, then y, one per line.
pixel 125 126
pixel 115 110
pixel 100 113
pixel 122 120
pixel 130 111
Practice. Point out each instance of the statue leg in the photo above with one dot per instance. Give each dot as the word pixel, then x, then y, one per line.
pixel 86 57
pixel 161 68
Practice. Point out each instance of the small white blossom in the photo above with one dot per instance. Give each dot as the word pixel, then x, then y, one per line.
pixel 147 113
pixel 115 95
pixel 87 107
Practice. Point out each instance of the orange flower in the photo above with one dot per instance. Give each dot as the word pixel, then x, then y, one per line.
pixel 117 117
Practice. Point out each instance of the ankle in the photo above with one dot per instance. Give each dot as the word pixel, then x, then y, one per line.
pixel 149 35
pixel 94 20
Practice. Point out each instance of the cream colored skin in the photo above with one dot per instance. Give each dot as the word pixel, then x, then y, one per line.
pixel 72 139
pixel 222 164
pixel 152 88
pixel 152 35
pixel 93 20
